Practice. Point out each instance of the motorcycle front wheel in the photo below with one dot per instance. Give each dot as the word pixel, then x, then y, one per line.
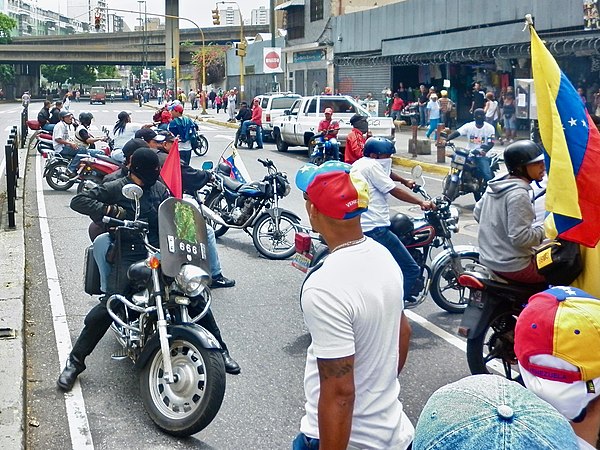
pixel 218 204
pixel 202 146
pixel 317 160
pixel 275 240
pixel 190 403
pixel 56 176
pixel 495 346
pixel 445 290
pixel 450 188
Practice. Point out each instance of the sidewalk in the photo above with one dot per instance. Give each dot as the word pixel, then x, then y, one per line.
pixel 13 408
pixel 402 158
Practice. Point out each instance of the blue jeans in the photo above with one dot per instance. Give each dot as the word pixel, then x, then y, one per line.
pixel 78 154
pixel 433 123
pixel 422 115
pixel 410 269
pixel 246 124
pixel 483 167
pixel 185 156
pixel 303 442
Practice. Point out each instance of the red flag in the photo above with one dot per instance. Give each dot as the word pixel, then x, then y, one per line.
pixel 171 171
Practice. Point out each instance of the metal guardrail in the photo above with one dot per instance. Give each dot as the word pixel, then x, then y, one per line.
pixel 11 157
pixel 24 128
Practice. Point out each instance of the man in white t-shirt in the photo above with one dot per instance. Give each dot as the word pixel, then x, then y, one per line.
pixel 481 137
pixel 359 332
pixel 376 167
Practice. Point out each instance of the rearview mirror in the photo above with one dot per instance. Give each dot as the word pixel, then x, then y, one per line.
pixel 132 191
pixel 416 172
pixel 207 165
pixel 286 112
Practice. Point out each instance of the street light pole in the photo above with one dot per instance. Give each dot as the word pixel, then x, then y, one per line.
pixel 169 16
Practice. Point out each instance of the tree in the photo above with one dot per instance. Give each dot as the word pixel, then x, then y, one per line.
pixel 7 24
pixel 108 72
pixel 70 74
pixel 215 63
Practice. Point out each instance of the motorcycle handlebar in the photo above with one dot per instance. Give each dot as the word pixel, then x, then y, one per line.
pixel 132 224
pixel 266 163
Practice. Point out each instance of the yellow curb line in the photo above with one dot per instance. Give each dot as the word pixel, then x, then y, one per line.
pixel 428 167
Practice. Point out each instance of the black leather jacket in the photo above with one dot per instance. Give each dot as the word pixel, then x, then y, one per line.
pixel 94 203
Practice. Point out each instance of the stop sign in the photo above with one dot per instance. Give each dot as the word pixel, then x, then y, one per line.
pixel 272 60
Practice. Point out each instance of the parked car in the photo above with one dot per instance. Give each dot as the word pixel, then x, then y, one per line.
pixel 98 95
pixel 298 125
pixel 273 105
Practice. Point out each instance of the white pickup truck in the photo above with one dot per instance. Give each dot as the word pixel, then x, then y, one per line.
pixel 300 123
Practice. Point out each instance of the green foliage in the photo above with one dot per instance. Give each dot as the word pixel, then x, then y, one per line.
pixel 108 72
pixel 7 74
pixel 7 24
pixel 70 74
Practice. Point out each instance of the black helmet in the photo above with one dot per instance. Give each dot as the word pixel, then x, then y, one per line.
pixel 379 145
pixel 85 118
pixel 401 224
pixel 520 154
pixel 479 114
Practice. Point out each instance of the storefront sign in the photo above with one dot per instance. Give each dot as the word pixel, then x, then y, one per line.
pixel 272 60
pixel 309 56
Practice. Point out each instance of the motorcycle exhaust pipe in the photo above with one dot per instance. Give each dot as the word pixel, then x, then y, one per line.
pixel 211 215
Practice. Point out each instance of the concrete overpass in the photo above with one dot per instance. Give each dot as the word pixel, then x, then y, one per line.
pixel 116 48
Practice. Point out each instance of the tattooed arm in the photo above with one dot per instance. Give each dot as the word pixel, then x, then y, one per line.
pixel 336 402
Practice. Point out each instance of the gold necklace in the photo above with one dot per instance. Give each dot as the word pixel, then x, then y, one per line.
pixel 350 244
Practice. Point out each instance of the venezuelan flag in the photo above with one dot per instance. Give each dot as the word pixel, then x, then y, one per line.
pixel 238 168
pixel 572 144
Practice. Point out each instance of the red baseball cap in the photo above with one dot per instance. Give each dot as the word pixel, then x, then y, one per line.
pixel 178 108
pixel 333 190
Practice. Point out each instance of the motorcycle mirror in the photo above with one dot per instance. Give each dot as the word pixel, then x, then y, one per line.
pixel 207 165
pixel 132 191
pixel 416 172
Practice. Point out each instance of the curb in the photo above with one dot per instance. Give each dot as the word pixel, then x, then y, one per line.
pixel 411 162
pixel 12 301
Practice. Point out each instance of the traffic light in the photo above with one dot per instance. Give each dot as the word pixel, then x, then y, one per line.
pixel 97 20
pixel 216 18
pixel 174 62
pixel 241 50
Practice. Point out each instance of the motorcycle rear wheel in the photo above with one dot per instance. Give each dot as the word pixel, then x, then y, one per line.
pixel 54 173
pixel 445 290
pixel 217 202
pixel 202 146
pixel 275 241
pixel 191 403
pixel 316 160
pixel 495 343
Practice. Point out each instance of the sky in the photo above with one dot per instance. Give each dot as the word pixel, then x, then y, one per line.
pixel 197 10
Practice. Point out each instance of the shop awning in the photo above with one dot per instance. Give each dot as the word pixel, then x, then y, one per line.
pixel 289 4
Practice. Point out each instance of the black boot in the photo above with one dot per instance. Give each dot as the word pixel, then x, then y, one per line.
pixel 231 366
pixel 72 369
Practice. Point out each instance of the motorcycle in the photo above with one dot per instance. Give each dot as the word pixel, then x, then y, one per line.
pixel 490 318
pixel 250 137
pixel 321 149
pixel 255 205
pixel 182 374
pixel 202 147
pixel 420 235
pixel 463 177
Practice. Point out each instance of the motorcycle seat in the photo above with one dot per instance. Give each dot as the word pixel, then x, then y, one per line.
pixel 523 289
pixel 45 137
pixel 231 184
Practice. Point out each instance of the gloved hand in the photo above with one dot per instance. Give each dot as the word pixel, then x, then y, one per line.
pixel 116 211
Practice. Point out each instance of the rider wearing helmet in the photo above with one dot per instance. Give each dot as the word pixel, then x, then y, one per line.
pixel 376 167
pixel 82 132
pixel 481 137
pixel 506 216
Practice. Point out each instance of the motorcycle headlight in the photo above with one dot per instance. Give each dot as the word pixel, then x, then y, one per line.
pixel 283 186
pixel 192 280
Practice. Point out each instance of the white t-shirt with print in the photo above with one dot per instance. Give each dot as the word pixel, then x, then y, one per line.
pixel 477 136
pixel 380 184
pixel 348 315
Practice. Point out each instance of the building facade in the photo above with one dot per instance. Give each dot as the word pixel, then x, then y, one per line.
pixel 259 16
pixel 230 16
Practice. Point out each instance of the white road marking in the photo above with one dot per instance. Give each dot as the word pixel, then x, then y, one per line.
pixel 229 137
pixel 79 428
pixel 451 339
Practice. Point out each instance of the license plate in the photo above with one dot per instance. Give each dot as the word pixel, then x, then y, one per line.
pixel 301 262
pixel 252 133
pixel 459 159
pixel 476 299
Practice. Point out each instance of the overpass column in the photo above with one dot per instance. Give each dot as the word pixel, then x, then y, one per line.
pixel 27 78
pixel 171 43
